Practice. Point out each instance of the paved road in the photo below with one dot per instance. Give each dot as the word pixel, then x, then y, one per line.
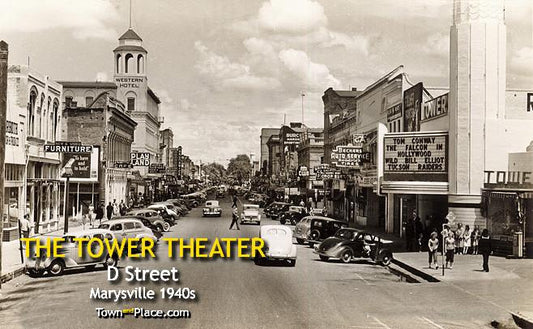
pixel 238 294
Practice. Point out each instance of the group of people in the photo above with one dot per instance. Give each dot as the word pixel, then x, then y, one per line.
pixel 459 242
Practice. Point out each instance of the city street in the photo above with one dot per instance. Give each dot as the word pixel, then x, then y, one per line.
pixel 237 293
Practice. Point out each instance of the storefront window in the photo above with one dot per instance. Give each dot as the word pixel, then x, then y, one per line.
pixel 503 214
pixel 11 207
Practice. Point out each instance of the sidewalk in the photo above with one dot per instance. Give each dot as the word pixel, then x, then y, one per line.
pixel 12 266
pixel 466 267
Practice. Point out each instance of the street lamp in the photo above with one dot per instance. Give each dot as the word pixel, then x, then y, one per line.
pixel 67 172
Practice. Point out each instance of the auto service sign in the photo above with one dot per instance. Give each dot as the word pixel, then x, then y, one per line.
pixel 349 156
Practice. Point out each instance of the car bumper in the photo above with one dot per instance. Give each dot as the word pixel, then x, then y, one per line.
pixel 212 213
pixel 279 256
pixel 250 220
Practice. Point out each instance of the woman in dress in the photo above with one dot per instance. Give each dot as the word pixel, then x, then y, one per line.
pixel 459 242
pixel 449 244
pixel 466 239
pixel 476 235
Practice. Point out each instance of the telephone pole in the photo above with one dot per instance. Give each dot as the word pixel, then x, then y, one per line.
pixel 3 112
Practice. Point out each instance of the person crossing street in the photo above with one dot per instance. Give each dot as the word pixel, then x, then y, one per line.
pixel 234 218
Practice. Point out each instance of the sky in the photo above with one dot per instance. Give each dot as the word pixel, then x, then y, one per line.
pixel 225 69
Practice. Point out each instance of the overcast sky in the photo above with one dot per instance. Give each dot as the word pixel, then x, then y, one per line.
pixel 226 68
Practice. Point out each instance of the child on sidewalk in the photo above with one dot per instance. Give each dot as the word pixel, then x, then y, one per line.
pixel 433 247
pixel 449 244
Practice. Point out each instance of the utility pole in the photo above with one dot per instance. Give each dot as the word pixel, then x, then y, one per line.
pixel 4 50
pixel 303 95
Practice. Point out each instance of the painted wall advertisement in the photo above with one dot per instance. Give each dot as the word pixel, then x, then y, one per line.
pixel 416 157
pixel 412 106
pixel 85 166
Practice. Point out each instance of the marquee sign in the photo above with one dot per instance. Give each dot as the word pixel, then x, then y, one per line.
pixel 416 156
pixel 292 139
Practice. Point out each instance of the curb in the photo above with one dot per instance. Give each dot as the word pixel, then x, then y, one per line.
pixel 11 275
pixel 416 272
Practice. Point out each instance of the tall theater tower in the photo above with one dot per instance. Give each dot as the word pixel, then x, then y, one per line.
pixel 477 95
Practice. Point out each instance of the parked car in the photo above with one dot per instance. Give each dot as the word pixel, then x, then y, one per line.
pixel 278 244
pixel 127 227
pixel 153 217
pixel 158 233
pixel 165 212
pixel 37 266
pixel 212 208
pixel 174 208
pixel 250 214
pixel 275 208
pixel 293 215
pixel 348 244
pixel 313 229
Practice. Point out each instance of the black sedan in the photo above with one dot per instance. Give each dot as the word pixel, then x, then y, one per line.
pixel 293 215
pixel 349 244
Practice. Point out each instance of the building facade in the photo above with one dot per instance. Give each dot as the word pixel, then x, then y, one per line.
pixel 32 183
pixel 264 160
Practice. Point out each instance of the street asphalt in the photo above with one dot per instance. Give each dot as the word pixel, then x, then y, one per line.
pixel 239 294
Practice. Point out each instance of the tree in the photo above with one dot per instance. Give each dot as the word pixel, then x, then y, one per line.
pixel 240 168
pixel 215 171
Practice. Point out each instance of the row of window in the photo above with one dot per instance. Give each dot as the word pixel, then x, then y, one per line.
pixel 43 117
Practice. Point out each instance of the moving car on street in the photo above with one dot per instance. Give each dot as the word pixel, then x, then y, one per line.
pixel 250 214
pixel 127 227
pixel 313 229
pixel 212 208
pixel 293 215
pixel 153 217
pixel 278 244
pixel 275 208
pixel 56 265
pixel 349 244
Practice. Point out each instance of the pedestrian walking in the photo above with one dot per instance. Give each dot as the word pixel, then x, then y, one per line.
pixel 116 209
pixel 485 248
pixel 234 218
pixel 91 214
pixel 235 200
pixel 467 239
pixel 476 235
pixel 449 244
pixel 25 226
pixel 459 241
pixel 109 210
pixel 433 248
pixel 410 232
pixel 122 208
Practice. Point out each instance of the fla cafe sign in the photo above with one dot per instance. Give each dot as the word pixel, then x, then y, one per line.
pixel 508 179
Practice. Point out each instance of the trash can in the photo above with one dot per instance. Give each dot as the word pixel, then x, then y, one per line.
pixel 518 243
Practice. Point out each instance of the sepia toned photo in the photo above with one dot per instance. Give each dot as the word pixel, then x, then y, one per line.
pixel 266 164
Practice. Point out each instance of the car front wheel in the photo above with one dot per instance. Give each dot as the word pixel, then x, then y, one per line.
pixel 292 262
pixel 56 268
pixel 110 261
pixel 35 273
pixel 386 259
pixel 166 227
pixel 346 256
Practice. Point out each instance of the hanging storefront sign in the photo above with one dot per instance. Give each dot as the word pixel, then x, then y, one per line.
pixel 416 156
pixel 291 138
pixel 141 159
pixel 157 168
pixel 394 112
pixel 349 156
pixel 67 147
pixel 530 102
pixel 358 140
pixel 412 106
pixel 303 171
pixel 122 165
pixel 435 108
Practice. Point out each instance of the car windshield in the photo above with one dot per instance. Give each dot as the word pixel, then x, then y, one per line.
pixel 278 232
pixel 345 234
pixel 211 204
pixel 104 226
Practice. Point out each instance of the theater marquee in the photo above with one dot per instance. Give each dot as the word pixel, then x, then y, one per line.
pixel 416 156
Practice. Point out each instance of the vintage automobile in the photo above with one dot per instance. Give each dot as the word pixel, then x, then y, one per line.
pixel 168 214
pixel 313 229
pixel 153 217
pixel 278 244
pixel 127 227
pixel 348 244
pixel 293 215
pixel 37 266
pixel 250 214
pixel 274 209
pixel 212 208
pixel 171 206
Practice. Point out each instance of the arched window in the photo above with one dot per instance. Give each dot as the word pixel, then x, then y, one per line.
pixel 55 121
pixel 140 64
pixel 38 118
pixel 31 112
pixel 119 64
pixel 129 63
pixel 46 122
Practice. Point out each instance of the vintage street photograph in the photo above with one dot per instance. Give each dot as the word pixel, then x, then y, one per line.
pixel 266 164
